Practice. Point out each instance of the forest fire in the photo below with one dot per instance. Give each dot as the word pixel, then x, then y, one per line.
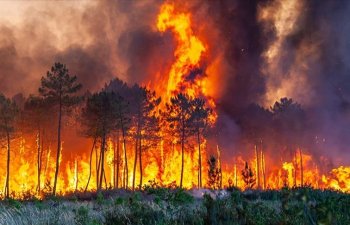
pixel 131 136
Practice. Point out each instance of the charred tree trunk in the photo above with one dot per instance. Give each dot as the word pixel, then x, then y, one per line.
pixel 257 166
pixel 135 163
pixel 118 161
pixel 58 145
pixel 38 159
pixel 125 172
pixel 7 189
pixel 199 160
pixel 41 156
pixel 102 160
pixel 301 168
pixel 140 161
pixel 263 167
pixel 92 150
pixel 182 156
pixel 114 164
pixel 295 169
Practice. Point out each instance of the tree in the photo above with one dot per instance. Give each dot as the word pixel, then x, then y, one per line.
pixel 8 113
pixel 214 173
pixel 123 120
pixel 200 122
pixel 35 117
pixel 179 114
pixel 98 122
pixel 248 176
pixel 59 88
pixel 145 121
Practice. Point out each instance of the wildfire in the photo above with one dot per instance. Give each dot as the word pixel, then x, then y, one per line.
pixel 161 164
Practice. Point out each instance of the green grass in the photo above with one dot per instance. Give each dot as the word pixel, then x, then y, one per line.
pixel 163 206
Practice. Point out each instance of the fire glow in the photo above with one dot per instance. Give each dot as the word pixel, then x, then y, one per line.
pixel 161 164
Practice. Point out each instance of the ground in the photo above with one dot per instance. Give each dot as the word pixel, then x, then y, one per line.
pixel 162 206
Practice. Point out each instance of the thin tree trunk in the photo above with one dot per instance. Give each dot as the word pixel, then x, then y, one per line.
pixel 7 191
pixel 92 150
pixel 135 163
pixel 219 165
pixel 295 169
pixel 126 172
pixel 140 161
pixel 114 164
pixel 58 146
pixel 38 159
pixel 301 169
pixel 98 171
pixel 199 161
pixel 118 160
pixel 182 156
pixel 257 166
pixel 41 157
pixel 263 168
pixel 102 160
pixel 76 175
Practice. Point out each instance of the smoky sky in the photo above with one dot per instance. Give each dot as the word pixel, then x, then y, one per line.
pixel 107 39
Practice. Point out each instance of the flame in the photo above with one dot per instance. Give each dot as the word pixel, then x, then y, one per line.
pixel 188 55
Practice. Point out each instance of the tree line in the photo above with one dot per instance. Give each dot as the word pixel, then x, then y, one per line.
pixel 120 112
pixel 117 112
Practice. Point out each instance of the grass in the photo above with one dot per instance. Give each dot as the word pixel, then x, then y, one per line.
pixel 162 206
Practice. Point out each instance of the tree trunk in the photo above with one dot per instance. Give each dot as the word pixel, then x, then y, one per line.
pixel 92 150
pixel 41 156
pixel 257 166
pixel 58 146
pixel 126 172
pixel 199 161
pixel 7 191
pixel 38 160
pixel 182 156
pixel 301 169
pixel 102 160
pixel 135 162
pixel 114 164
pixel 118 161
pixel 140 161
pixel 98 168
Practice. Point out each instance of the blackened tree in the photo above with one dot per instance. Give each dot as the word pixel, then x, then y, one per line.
pixel 248 176
pixel 214 173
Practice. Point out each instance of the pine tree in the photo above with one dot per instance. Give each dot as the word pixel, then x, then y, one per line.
pixel 59 88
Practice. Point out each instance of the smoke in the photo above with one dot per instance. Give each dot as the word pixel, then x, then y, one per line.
pixel 258 52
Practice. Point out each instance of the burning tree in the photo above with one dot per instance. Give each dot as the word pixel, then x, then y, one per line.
pixel 178 115
pixel 35 117
pixel 8 113
pixel 248 176
pixel 214 173
pixel 97 119
pixel 200 122
pixel 289 124
pixel 59 88
pixel 145 121
pixel 122 121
